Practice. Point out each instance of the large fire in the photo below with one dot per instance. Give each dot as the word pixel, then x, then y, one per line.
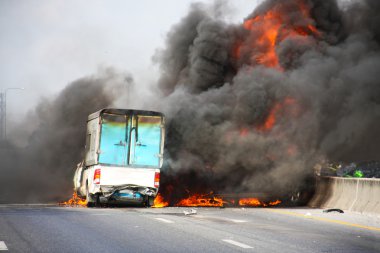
pixel 195 200
pixel 267 30
pixel 263 33
pixel 211 200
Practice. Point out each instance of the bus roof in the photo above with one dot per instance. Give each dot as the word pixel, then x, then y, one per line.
pixel 123 112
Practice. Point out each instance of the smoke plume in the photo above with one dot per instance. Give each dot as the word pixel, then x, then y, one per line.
pixel 254 106
pixel 43 170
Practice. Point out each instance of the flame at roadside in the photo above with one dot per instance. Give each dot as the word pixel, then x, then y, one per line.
pixel 250 202
pixel 255 202
pixel 208 200
pixel 200 200
pixel 159 202
pixel 74 201
pixel 213 200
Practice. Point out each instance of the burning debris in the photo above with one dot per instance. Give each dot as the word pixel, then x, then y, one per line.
pixel 255 202
pixel 249 202
pixel 213 200
pixel 201 200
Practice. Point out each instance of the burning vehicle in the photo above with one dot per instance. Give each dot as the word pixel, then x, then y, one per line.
pixel 250 109
pixel 123 157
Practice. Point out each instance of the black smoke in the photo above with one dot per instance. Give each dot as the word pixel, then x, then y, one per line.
pixel 42 171
pixel 328 92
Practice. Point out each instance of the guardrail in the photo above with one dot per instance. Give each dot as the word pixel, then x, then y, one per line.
pixel 353 194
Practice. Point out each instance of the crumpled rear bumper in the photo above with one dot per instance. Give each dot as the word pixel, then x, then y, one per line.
pixel 126 193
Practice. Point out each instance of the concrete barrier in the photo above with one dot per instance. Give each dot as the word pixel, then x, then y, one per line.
pixel 353 194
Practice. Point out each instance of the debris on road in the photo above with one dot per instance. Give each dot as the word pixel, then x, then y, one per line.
pixel 333 210
pixel 191 212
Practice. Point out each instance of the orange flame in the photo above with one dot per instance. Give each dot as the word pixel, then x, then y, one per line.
pixel 159 202
pixel 270 23
pixel 196 200
pixel 201 200
pixel 289 106
pixel 75 201
pixel 275 203
pixel 250 202
pixel 254 202
pixel 207 200
pixel 269 29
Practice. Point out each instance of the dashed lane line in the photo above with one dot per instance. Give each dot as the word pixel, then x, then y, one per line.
pixel 164 220
pixel 3 246
pixel 239 244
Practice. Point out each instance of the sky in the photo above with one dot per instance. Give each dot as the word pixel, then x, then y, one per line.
pixel 46 44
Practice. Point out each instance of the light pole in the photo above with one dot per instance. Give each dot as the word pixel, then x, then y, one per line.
pixel 3 112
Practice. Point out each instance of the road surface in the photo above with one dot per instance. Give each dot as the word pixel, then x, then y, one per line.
pixel 66 229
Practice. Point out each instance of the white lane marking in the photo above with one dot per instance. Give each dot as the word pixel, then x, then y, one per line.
pixel 3 246
pixel 100 214
pixel 238 221
pixel 239 244
pixel 164 220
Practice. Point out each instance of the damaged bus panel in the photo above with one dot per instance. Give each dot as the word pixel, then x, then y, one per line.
pixel 123 157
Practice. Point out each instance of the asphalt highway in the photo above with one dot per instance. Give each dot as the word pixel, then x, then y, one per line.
pixel 74 229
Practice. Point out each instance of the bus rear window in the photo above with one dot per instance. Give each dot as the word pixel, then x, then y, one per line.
pixel 146 144
pixel 114 140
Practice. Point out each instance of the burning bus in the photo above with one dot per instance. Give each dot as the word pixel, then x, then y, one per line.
pixel 123 157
